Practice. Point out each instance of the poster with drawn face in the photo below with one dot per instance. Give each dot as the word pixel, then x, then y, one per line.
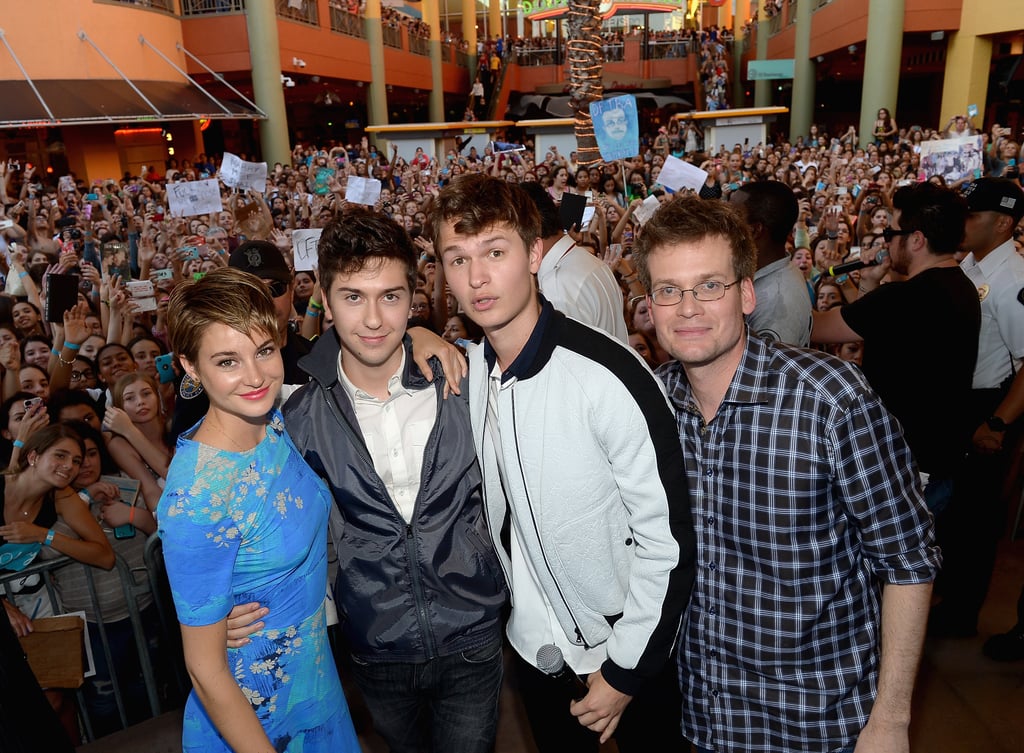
pixel 616 127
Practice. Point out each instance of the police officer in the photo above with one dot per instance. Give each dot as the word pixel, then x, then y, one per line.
pixel 970 532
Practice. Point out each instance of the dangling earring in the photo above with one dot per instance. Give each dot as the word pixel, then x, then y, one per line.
pixel 190 388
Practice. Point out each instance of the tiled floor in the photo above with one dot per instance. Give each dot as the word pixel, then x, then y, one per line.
pixel 964 702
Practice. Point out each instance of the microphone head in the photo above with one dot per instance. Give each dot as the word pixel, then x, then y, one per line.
pixel 550 659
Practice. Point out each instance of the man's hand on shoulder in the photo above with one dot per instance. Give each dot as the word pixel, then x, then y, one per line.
pixel 602 707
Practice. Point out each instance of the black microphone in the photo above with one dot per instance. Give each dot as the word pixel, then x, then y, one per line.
pixel 852 266
pixel 551 663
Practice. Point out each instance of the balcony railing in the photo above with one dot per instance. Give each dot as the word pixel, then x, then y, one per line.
pixel 392 37
pixel 347 23
pixel 300 11
pixel 167 6
pixel 211 7
pixel 659 49
pixel 419 45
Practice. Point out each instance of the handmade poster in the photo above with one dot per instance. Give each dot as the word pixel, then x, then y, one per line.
pixel 362 190
pixel 304 243
pixel 953 159
pixel 616 127
pixel 194 197
pixel 237 173
pixel 677 174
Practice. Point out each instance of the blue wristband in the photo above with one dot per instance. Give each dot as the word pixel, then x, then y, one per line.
pixel 55 352
pixel 18 443
pixel 49 537
pixel 71 346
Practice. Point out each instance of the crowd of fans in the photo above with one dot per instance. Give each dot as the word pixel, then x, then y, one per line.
pixel 105 363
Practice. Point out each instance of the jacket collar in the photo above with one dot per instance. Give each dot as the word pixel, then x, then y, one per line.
pixel 322 363
pixel 537 351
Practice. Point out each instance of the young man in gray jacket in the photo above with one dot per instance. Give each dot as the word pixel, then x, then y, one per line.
pixel 584 487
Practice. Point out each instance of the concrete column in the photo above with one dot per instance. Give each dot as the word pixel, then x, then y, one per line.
pixel 968 59
pixel 377 104
pixel 265 56
pixel 739 40
pixel 882 54
pixel 494 18
pixel 801 113
pixel 762 89
pixel 469 34
pixel 432 16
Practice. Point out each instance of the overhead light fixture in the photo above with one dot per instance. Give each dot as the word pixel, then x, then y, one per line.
pixel 820 58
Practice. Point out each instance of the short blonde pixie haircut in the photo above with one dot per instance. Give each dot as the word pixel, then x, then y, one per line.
pixel 224 296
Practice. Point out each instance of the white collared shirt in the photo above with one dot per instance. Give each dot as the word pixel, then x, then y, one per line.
pixel 999 278
pixel 396 431
pixel 582 286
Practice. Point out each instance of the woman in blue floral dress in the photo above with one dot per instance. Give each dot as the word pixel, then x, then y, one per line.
pixel 244 519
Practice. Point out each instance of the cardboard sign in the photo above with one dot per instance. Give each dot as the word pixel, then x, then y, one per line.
pixel 237 173
pixel 194 197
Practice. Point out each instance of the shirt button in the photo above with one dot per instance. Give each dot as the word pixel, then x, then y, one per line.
pixel 711 520
pixel 394 453
pixel 713 653
pixel 709 472
pixel 712 611
pixel 713 566
pixel 629 542
pixel 714 693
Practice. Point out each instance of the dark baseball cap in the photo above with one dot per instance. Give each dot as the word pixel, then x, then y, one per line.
pixel 995 195
pixel 261 258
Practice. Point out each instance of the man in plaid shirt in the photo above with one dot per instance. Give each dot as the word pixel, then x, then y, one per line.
pixel 815 549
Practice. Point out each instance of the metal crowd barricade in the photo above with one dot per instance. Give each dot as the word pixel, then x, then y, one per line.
pixel 134 583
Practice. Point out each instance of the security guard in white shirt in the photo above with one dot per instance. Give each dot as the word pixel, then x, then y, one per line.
pixel 971 530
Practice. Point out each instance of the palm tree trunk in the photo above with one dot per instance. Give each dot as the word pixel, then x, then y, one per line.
pixel 586 61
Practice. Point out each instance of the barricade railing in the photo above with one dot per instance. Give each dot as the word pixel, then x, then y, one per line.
pixel 301 11
pixel 135 583
pixel 166 6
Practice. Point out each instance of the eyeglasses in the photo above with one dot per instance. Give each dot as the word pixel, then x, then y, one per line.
pixel 712 290
pixel 889 233
pixel 78 376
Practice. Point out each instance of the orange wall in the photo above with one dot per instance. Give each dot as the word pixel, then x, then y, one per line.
pixel 844 22
pixel 44 37
pixel 222 42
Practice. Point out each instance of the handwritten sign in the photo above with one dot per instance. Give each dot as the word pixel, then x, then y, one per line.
pixel 237 173
pixel 194 197
pixel 646 209
pixel 677 174
pixel 304 249
pixel 362 190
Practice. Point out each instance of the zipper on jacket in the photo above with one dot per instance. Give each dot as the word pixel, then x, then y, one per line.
pixel 536 528
pixel 417 592
pixel 410 542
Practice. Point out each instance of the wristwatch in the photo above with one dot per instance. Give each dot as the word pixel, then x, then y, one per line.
pixel 995 423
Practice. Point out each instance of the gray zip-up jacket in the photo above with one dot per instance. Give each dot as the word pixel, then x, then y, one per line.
pixel 405 592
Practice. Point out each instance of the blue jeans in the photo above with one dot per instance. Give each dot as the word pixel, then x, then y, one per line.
pixel 446 704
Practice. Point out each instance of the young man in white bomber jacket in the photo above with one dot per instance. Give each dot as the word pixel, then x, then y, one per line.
pixel 584 487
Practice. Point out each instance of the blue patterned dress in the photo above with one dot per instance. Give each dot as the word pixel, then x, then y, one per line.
pixel 251 526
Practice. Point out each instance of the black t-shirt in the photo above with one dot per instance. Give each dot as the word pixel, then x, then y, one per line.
pixel 920 346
